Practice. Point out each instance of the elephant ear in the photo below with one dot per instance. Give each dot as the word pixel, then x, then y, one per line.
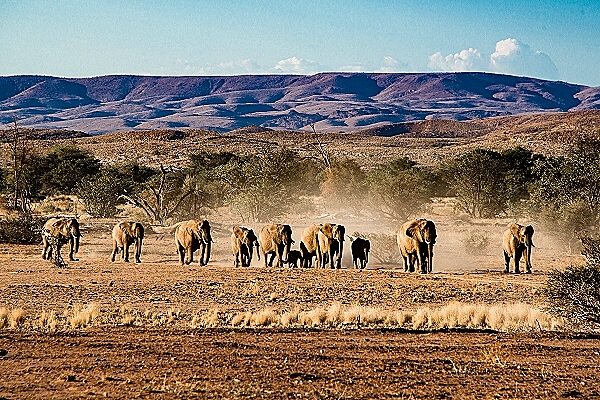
pixel 341 230
pixel 238 232
pixel 515 230
pixel 413 230
pixel 529 230
pixel 327 229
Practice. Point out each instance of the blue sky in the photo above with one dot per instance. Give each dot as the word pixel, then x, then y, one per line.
pixel 79 38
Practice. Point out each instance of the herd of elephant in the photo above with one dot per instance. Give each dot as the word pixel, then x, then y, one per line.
pixel 322 245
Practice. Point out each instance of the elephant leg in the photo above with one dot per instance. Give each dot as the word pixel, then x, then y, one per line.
pixel 72 249
pixel 236 260
pixel 113 255
pixel 125 254
pixel 517 262
pixel 138 252
pixel 180 251
pixel 45 248
pixel 506 262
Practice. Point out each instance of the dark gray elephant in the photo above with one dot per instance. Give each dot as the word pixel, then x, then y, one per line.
pixel 275 240
pixel 360 252
pixel 190 236
pixel 243 241
pixel 416 239
pixel 518 242
pixel 124 234
pixel 57 232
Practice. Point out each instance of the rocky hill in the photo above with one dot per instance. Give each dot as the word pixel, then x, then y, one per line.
pixel 334 102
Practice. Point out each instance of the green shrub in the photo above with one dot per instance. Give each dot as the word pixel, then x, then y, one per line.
pixel 24 229
pixel 574 294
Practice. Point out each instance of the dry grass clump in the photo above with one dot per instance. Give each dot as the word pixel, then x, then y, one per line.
pixel 207 319
pixel 513 317
pixel 48 321
pixel 128 316
pixel 81 317
pixel 11 318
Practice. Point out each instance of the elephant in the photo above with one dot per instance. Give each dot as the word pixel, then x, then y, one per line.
pixel 295 258
pixel 415 240
pixel 360 252
pixel 331 245
pixel 518 242
pixel 190 236
pixel 243 240
pixel 124 234
pixel 275 240
pixel 57 232
pixel 309 246
pixel 307 257
pixel 325 242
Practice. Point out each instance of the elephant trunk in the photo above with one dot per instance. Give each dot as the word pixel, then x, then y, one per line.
pixel 257 251
pixel 528 258
pixel 286 251
pixel 138 248
pixel 207 252
pixel 429 257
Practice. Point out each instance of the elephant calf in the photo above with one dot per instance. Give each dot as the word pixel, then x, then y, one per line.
pixel 360 252
pixel 294 258
pixel 124 234
pixel 517 242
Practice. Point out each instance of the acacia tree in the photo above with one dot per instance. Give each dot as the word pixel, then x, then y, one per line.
pixel 163 194
pixel 267 184
pixel 398 188
pixel 22 151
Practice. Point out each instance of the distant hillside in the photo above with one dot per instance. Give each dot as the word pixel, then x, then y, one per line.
pixel 332 101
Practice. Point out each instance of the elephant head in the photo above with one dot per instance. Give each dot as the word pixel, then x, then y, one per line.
pixel 423 232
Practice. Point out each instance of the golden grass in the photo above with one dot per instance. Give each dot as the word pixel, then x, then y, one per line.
pixel 499 317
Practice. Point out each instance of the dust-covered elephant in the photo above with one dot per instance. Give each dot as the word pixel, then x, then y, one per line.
pixel 331 245
pixel 360 252
pixel 518 242
pixel 57 232
pixel 124 234
pixel 275 240
pixel 416 239
pixel 243 241
pixel 190 236
pixel 309 246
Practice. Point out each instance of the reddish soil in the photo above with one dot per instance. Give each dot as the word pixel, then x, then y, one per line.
pixel 131 362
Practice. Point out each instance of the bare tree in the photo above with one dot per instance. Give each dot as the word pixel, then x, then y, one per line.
pixel 22 150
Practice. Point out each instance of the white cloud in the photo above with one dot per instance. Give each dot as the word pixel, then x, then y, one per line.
pixel 246 66
pixel 296 65
pixel 514 57
pixel 511 57
pixel 466 60
pixel 390 64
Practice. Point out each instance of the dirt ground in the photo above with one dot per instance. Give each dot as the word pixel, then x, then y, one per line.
pixel 167 358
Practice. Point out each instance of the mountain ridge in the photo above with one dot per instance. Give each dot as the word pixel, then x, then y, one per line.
pixel 331 101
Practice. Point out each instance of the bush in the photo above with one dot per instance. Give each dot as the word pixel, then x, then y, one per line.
pixel 384 247
pixel 476 242
pixel 24 229
pixel 574 294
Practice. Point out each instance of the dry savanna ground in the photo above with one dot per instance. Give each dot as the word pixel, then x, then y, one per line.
pixel 159 329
